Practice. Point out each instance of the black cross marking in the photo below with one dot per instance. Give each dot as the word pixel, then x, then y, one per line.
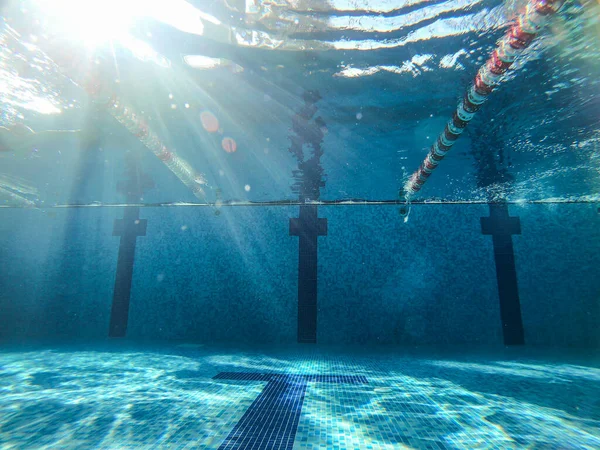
pixel 308 227
pixel 501 227
pixel 271 421
pixel 128 228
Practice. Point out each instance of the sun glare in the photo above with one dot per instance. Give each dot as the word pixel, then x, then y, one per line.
pixel 95 22
pixel 90 22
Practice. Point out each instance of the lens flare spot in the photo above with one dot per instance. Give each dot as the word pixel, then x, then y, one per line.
pixel 209 121
pixel 229 145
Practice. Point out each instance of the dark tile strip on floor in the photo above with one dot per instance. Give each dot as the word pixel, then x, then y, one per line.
pixel 271 421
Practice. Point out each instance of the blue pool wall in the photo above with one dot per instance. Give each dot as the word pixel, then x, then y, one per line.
pixel 233 277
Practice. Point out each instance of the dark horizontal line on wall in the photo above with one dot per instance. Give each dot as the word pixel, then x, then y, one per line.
pixel 344 202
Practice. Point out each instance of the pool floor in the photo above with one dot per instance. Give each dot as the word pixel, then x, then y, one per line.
pixel 137 395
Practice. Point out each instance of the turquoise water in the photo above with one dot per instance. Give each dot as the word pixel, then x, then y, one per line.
pixel 388 73
pixel 207 238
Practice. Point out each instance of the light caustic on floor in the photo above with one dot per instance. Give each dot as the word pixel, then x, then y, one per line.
pixel 295 398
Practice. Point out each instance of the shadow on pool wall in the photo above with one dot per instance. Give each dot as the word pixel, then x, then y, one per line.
pixel 233 277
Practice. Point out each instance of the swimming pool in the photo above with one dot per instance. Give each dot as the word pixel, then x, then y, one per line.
pixel 195 396
pixel 250 224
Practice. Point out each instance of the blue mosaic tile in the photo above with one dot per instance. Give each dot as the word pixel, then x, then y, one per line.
pixel 272 419
pixel 234 277
pixel 193 396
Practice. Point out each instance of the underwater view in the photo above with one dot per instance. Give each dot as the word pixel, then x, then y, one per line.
pixel 300 224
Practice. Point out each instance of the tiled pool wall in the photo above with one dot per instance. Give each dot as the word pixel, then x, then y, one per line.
pixel 234 277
